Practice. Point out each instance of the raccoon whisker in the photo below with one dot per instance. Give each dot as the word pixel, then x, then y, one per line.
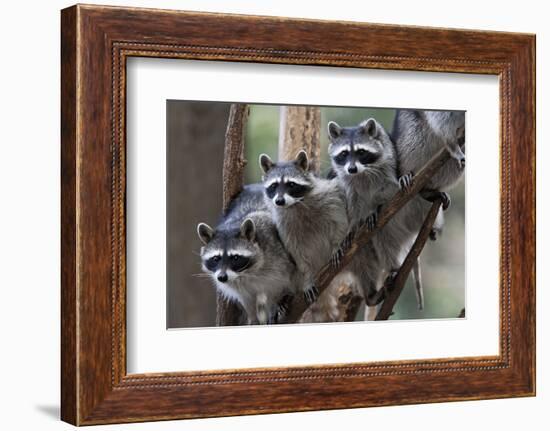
pixel 201 275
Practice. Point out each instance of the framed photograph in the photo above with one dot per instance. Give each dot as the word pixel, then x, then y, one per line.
pixel 266 215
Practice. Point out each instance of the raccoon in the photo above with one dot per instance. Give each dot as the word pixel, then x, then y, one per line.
pixel 419 135
pixel 247 260
pixel 310 214
pixel 364 161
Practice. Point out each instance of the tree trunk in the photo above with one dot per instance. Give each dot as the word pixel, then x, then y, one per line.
pixel 230 313
pixel 299 128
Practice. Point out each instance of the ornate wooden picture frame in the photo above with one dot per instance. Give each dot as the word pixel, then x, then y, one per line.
pixel 96 41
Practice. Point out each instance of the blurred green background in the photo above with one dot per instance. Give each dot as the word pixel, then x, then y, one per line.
pixel 442 261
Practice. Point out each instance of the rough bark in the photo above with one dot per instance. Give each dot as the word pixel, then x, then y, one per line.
pixel 300 128
pixel 229 313
pixel 234 161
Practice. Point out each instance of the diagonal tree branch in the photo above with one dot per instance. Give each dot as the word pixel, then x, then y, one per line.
pixel 364 235
pixel 398 283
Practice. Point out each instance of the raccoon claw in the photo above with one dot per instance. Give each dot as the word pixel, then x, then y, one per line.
pixel 336 258
pixel 446 200
pixel 310 295
pixel 405 181
pixel 432 195
pixel 283 307
pixel 346 244
pixel 371 221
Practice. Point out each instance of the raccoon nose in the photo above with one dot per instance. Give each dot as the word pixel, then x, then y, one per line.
pixel 280 201
pixel 352 169
pixel 222 278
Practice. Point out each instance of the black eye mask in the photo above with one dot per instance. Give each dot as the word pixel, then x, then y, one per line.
pixel 213 263
pixel 290 188
pixel 342 157
pixel 366 157
pixel 238 263
pixel 296 190
pixel 362 156
pixel 271 191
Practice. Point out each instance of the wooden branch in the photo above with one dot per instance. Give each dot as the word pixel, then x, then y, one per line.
pixel 363 236
pixel 234 161
pixel 230 313
pixel 398 283
pixel 300 129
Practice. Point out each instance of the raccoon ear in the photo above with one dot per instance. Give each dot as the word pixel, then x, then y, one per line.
pixel 205 233
pixel 301 160
pixel 248 230
pixel 334 130
pixel 370 128
pixel 265 163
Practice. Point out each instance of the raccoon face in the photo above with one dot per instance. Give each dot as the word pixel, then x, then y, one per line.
pixel 286 183
pixel 227 255
pixel 354 150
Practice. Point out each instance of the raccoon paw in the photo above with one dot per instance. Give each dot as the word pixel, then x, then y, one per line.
pixel 283 307
pixel 348 240
pixel 432 195
pixel 446 200
pixel 335 259
pixel 311 294
pixel 371 221
pixel 434 234
pixel 376 297
pixel 405 181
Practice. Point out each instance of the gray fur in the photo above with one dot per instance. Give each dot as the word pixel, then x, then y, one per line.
pixel 419 135
pixel 313 226
pixel 248 226
pixel 366 191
